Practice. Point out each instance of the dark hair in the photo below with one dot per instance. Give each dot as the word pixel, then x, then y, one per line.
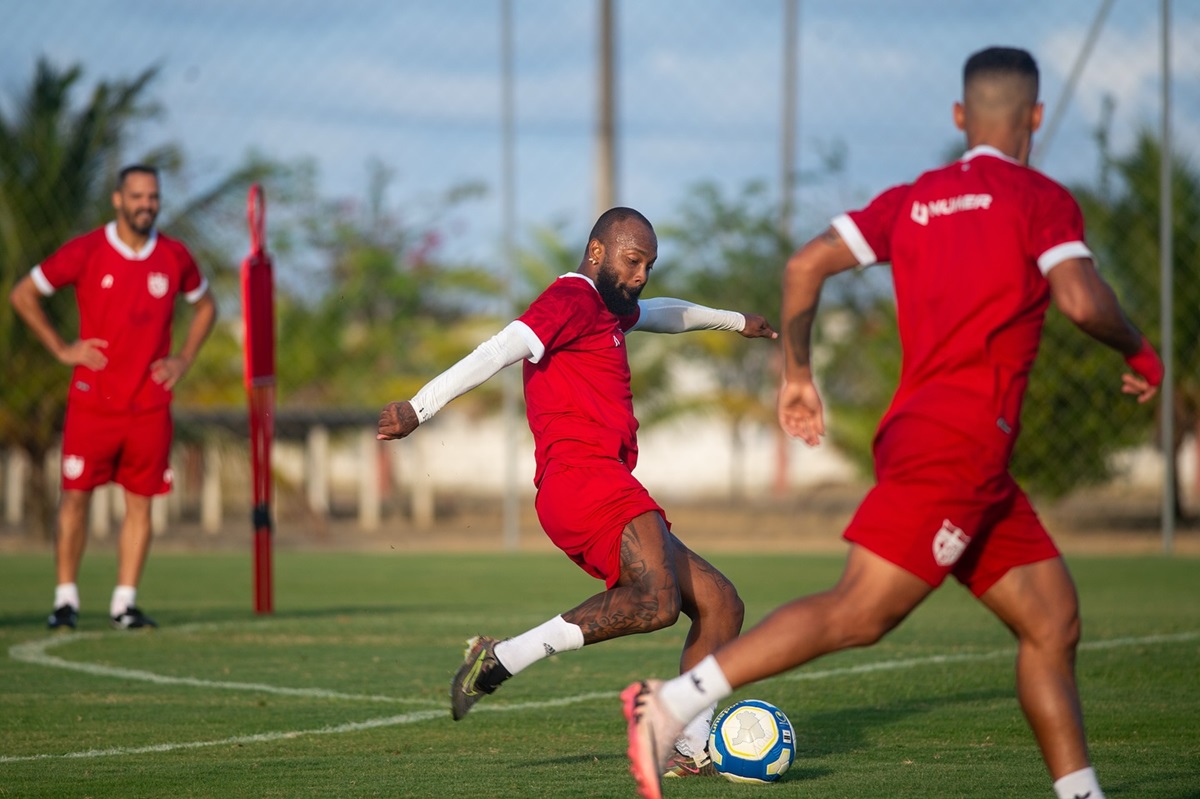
pixel 1001 61
pixel 144 169
pixel 615 216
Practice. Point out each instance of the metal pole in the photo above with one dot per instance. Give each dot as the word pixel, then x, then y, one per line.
pixel 1166 256
pixel 787 186
pixel 787 161
pixel 606 157
pixel 510 385
pixel 1064 98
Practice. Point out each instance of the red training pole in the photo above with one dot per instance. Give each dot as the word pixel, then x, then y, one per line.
pixel 258 312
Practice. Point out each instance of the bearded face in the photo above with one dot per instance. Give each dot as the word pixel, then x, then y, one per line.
pixel 137 202
pixel 621 299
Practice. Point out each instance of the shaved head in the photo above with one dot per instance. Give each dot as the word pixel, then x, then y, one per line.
pixel 1000 100
pixel 1000 80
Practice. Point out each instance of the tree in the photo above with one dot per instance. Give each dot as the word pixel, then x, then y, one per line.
pixel 57 165
pixel 730 254
pixel 1123 213
pixel 381 308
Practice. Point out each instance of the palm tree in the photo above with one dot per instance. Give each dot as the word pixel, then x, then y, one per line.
pixel 57 167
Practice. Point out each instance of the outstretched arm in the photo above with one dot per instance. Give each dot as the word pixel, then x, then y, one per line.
pixel 800 411
pixel 671 315
pixel 1088 301
pixel 510 345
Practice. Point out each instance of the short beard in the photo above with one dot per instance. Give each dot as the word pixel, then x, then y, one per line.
pixel 131 220
pixel 621 302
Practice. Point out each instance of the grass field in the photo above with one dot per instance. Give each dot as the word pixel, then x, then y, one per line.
pixel 341 692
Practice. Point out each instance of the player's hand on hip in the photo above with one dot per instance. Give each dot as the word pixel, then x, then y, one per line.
pixel 1138 386
pixel 800 412
pixel 396 420
pixel 757 327
pixel 167 371
pixel 87 352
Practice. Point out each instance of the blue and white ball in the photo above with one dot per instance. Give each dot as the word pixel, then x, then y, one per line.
pixel 752 741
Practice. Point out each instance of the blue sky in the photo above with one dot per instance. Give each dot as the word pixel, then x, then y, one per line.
pixel 416 85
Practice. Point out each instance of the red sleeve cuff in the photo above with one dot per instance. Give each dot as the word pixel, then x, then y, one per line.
pixel 1147 363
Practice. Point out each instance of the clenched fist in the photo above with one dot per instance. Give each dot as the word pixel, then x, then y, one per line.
pixel 396 420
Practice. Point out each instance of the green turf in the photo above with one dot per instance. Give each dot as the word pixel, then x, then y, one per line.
pixel 370 641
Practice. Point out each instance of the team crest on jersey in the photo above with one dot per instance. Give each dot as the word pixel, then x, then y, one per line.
pixel 72 466
pixel 157 283
pixel 107 282
pixel 949 544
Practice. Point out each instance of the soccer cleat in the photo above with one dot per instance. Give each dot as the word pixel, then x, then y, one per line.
pixel 681 765
pixel 652 733
pixel 64 616
pixel 132 619
pixel 481 673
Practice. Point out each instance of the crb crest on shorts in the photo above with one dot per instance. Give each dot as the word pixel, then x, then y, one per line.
pixel 72 467
pixel 949 544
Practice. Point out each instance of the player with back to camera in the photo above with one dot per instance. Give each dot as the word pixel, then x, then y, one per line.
pixel 580 410
pixel 127 277
pixel 978 249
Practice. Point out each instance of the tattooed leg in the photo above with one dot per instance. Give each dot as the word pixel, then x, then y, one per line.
pixel 647 596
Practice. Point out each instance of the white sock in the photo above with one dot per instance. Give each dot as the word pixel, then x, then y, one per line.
pixel 691 692
pixel 123 596
pixel 66 594
pixel 694 738
pixel 1079 785
pixel 548 638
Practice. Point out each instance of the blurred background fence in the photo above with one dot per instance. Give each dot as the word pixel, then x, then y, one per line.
pixel 429 167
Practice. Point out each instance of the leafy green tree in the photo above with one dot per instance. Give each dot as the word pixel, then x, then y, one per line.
pixel 58 165
pixel 727 253
pixel 380 310
pixel 58 162
pixel 1123 214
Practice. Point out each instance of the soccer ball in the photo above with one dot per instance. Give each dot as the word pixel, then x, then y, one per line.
pixel 752 741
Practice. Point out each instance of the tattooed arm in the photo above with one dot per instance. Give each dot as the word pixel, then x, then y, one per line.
pixel 800 412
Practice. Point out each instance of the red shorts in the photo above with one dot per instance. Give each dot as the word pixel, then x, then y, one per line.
pixel 130 449
pixel 584 511
pixel 944 505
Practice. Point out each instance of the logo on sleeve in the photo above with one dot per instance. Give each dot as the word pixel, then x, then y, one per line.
pixel 157 283
pixel 949 544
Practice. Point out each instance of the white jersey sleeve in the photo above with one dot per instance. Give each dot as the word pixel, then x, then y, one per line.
pixel 503 349
pixel 670 315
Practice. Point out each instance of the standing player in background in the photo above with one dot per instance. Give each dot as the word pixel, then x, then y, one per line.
pixel 978 249
pixel 118 428
pixel 580 409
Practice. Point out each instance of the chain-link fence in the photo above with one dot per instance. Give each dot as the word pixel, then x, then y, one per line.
pixel 422 160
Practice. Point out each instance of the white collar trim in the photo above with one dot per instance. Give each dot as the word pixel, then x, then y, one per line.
pixel 110 233
pixel 591 282
pixel 987 149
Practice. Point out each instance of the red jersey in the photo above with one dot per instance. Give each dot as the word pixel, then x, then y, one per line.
pixel 577 395
pixel 970 245
pixel 126 298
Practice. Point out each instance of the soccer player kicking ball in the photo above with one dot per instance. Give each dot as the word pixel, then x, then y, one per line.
pixel 580 409
pixel 978 249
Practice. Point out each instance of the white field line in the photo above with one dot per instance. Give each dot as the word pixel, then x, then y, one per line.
pixel 35 652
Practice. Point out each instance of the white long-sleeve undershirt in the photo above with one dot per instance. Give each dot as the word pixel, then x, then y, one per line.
pixel 517 342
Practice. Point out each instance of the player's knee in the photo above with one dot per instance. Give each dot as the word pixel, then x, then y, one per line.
pixel 1059 629
pixel 667 606
pixel 854 626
